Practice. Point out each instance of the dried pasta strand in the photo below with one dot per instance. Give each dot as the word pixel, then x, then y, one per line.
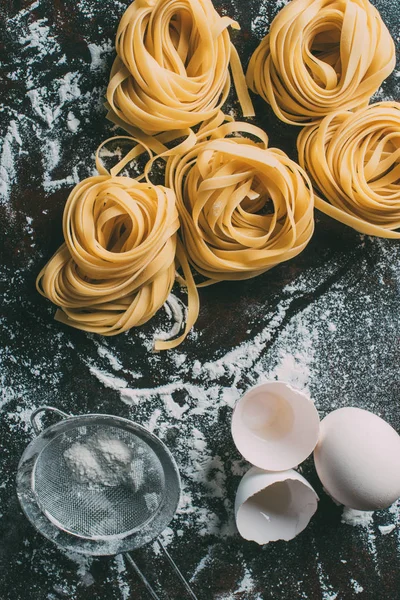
pixel 354 161
pixel 117 265
pixel 244 207
pixel 193 301
pixel 321 56
pixel 171 70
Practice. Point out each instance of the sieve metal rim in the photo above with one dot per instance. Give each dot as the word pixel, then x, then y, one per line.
pixel 113 544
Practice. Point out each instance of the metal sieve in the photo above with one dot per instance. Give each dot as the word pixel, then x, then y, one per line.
pixel 99 485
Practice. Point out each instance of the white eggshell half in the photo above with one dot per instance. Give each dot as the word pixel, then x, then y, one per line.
pixel 274 426
pixel 273 506
pixel 358 459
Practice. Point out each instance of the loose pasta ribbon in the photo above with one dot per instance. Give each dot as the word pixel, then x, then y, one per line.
pixel 353 160
pixel 244 207
pixel 171 70
pixel 321 56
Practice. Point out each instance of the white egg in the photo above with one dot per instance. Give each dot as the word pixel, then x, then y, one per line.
pixel 273 506
pixel 358 459
pixel 274 426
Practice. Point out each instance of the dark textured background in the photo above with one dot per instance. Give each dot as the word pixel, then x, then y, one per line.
pixel 43 362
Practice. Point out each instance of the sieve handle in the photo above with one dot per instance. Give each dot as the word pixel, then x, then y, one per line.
pixel 171 561
pixel 35 423
pixel 138 572
pixel 177 570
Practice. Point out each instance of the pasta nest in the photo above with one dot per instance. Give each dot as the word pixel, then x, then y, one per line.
pixel 321 56
pixel 244 207
pixel 171 70
pixel 354 161
pixel 117 265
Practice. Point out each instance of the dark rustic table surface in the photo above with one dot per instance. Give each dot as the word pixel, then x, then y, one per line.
pixel 328 321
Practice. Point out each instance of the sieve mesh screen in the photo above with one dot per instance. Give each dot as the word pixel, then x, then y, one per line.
pixel 99 481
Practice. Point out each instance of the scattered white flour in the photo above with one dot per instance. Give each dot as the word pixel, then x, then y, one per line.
pixel 364 520
pixel 266 12
pixel 97 52
pixel 56 101
pixel 357 518
pixel 386 529
pixel 175 310
pixel 166 538
pixel 108 380
pixel 83 563
pixel 202 564
pixel 51 185
pixel 246 584
pixel 327 591
pixel 51 157
pixel 114 362
pixel 72 122
pixel 7 162
pixel 356 586
pixel 123 577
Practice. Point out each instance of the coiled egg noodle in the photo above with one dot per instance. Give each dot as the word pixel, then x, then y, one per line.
pixel 117 265
pixel 244 207
pixel 171 70
pixel 321 56
pixel 353 160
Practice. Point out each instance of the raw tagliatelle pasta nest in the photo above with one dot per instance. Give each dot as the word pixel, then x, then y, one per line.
pixel 354 161
pixel 244 207
pixel 231 206
pixel 321 56
pixel 117 265
pixel 172 65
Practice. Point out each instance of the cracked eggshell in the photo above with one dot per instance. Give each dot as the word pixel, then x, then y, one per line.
pixel 273 506
pixel 357 459
pixel 274 426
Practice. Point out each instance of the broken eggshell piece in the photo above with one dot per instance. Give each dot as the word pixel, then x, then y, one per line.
pixel 273 506
pixel 274 426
